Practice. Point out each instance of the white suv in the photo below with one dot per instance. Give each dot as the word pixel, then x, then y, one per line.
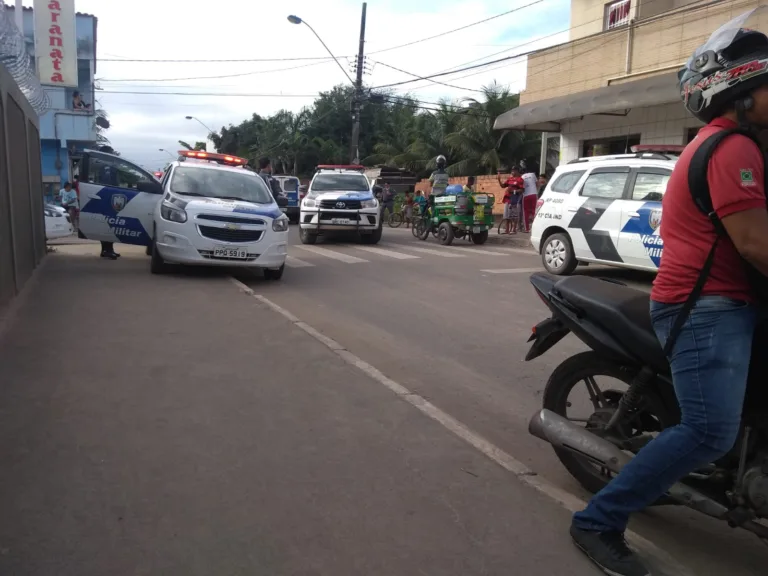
pixel 339 199
pixel 604 209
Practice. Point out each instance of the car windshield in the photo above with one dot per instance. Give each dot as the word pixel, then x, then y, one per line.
pixel 290 185
pixel 340 183
pixel 224 184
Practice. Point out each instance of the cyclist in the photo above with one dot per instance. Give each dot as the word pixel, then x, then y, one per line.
pixel 711 355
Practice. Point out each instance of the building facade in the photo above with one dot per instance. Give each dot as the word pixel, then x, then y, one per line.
pixel 65 130
pixel 614 84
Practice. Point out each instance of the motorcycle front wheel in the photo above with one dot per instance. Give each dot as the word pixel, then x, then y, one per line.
pixel 637 427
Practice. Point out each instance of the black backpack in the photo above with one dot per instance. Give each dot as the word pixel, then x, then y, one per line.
pixel 699 188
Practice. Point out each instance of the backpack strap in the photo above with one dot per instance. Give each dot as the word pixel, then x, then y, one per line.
pixel 698 184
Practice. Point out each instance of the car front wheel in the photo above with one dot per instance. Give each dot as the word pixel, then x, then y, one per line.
pixel 557 255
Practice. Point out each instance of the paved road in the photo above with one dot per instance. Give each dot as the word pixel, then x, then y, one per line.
pixel 177 426
pixel 451 325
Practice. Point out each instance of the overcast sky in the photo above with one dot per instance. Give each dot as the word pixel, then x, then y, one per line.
pixel 248 29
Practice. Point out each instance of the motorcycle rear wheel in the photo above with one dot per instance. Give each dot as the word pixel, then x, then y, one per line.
pixel 576 370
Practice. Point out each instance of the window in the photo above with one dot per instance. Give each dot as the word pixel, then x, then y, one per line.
pixel 605 185
pixel 691 133
pixel 340 183
pixel 605 146
pixel 565 182
pixel 113 172
pixel 226 184
pixel 650 187
pixel 616 14
pixel 290 184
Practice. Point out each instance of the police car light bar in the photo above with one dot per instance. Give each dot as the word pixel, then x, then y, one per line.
pixel 211 157
pixel 357 167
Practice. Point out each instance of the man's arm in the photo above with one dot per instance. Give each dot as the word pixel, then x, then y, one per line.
pixel 737 187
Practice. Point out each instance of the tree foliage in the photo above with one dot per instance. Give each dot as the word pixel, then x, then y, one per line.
pixel 396 131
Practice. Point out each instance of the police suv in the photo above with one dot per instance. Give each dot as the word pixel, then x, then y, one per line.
pixel 208 209
pixel 340 199
pixel 606 210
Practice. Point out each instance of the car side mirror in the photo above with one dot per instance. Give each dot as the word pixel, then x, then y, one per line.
pixel 282 201
pixel 150 187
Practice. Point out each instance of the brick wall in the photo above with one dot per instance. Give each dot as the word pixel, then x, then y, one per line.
pixel 486 184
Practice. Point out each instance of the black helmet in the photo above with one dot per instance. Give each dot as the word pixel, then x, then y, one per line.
pixel 440 161
pixel 725 70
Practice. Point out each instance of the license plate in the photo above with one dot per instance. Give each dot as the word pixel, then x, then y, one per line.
pixel 341 221
pixel 230 253
pixel 478 229
pixel 283 209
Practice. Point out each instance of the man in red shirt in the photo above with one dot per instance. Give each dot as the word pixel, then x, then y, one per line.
pixel 711 355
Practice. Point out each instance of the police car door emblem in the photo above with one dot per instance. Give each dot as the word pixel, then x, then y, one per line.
pixel 340 205
pixel 233 226
pixel 654 218
pixel 118 202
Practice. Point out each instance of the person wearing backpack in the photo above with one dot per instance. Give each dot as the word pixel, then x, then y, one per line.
pixel 704 298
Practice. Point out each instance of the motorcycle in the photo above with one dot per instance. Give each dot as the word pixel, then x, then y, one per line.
pixel 613 320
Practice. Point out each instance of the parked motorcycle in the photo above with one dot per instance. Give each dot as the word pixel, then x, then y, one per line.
pixel 613 320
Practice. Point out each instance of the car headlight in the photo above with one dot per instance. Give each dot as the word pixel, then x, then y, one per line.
pixel 372 203
pixel 309 203
pixel 280 224
pixel 172 213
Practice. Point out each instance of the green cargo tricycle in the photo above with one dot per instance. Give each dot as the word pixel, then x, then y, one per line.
pixel 456 215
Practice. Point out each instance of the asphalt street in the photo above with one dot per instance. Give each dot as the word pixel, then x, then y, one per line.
pixel 451 324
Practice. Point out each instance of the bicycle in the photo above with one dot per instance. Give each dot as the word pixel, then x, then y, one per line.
pixel 514 221
pixel 422 224
pixel 396 218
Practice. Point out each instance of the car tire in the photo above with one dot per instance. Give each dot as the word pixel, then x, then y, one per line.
pixel 157 265
pixel 307 237
pixel 445 234
pixel 557 255
pixel 270 274
pixel 373 238
pixel 480 238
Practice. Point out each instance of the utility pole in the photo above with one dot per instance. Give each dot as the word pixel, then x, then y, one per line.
pixel 358 97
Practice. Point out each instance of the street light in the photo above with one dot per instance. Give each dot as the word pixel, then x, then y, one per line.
pixel 201 123
pixel 166 151
pixel 296 20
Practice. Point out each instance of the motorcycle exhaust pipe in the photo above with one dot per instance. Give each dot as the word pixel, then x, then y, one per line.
pixel 562 433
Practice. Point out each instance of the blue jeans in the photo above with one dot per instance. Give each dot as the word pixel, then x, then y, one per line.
pixel 710 365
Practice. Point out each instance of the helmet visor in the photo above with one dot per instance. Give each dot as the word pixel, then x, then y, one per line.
pixel 724 36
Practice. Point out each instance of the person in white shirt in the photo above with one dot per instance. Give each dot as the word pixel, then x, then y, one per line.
pixel 70 203
pixel 530 198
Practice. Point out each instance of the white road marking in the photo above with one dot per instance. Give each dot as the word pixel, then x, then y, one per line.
pixel 474 250
pixel 441 253
pixel 524 251
pixel 387 253
pixel 333 255
pixel 293 262
pixel 570 502
pixel 513 270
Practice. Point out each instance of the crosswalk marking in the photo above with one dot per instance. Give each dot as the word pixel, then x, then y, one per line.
pixel 442 253
pixel 293 262
pixel 333 255
pixel 388 253
pixel 512 271
pixel 525 251
pixel 467 249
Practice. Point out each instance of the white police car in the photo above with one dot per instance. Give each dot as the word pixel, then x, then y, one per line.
pixel 339 199
pixel 605 210
pixel 207 210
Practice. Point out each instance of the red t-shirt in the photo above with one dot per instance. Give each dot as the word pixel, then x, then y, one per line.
pixel 512 184
pixel 736 184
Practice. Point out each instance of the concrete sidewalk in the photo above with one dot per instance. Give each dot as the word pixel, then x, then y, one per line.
pixel 175 426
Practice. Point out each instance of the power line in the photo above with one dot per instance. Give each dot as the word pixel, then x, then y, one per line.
pixel 427 79
pixel 202 60
pixel 229 94
pixel 457 29
pixel 240 74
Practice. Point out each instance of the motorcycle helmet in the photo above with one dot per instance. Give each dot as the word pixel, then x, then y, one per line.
pixel 724 71
pixel 440 161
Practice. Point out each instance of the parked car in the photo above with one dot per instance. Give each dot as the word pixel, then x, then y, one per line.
pixel 57 224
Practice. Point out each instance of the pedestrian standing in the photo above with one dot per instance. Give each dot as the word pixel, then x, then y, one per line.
pixel 70 203
pixel 387 199
pixel 513 186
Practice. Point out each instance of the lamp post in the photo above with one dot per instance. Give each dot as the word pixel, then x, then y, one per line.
pixel 166 151
pixel 357 83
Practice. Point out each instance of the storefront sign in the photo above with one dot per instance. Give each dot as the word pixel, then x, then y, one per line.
pixel 56 42
pixel 618 14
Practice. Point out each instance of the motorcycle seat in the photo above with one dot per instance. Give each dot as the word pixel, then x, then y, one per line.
pixel 622 311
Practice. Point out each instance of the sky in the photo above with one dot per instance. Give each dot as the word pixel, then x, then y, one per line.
pixel 143 123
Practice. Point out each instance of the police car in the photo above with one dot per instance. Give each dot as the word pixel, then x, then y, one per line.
pixel 208 209
pixel 606 210
pixel 339 199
